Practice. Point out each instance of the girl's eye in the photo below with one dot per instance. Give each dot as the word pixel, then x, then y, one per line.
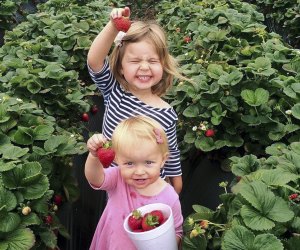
pixel 149 162
pixel 129 164
pixel 154 61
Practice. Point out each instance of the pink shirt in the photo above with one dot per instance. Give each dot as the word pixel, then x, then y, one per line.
pixel 122 200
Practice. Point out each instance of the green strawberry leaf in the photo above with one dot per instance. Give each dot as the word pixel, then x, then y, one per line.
pixel 20 239
pixel 255 98
pixel 9 222
pixel 239 237
pixel 7 199
pixel 296 111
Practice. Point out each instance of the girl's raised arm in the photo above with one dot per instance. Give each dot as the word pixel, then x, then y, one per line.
pixel 104 40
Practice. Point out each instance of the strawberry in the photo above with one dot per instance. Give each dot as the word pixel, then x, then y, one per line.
pixel 94 109
pixel 122 23
pixel 159 214
pixel 149 222
pixel 135 221
pixel 57 199
pixel 26 210
pixel 48 219
pixel 106 154
pixel 209 133
pixel 293 196
pixel 85 117
pixel 187 39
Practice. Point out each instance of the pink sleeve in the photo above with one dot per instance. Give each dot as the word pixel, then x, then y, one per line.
pixel 111 176
pixel 178 218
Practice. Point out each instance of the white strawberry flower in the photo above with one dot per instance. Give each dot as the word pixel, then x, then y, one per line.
pixel 194 128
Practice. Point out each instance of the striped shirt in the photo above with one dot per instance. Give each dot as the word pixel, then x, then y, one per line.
pixel 121 104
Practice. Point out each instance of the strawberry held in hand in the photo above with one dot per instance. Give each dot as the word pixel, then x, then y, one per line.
pixel 106 154
pixel 122 23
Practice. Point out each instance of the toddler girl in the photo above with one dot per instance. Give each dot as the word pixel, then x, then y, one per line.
pixel 141 148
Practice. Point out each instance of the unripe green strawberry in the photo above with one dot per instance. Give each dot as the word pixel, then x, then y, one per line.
pixel 26 210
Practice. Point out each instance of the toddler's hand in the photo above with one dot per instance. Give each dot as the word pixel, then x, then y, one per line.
pixel 95 142
pixel 119 12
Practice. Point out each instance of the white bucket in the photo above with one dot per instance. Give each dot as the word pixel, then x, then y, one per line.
pixel 162 237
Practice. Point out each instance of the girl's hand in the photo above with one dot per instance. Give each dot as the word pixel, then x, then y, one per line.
pixel 119 12
pixel 95 142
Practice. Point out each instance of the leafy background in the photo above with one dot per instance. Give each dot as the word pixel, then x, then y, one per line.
pixel 246 89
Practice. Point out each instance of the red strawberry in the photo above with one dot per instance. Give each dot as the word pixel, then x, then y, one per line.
pixel 85 117
pixel 293 196
pixel 187 39
pixel 122 23
pixel 106 155
pixel 57 199
pixel 48 219
pixel 94 109
pixel 209 133
pixel 159 215
pixel 135 221
pixel 149 222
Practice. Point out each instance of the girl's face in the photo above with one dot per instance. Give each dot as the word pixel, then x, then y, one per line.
pixel 141 66
pixel 140 166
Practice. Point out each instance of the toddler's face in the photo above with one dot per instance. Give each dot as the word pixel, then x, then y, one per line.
pixel 140 166
pixel 141 66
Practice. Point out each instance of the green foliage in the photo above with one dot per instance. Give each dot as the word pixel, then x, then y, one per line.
pixel 8 10
pixel 246 80
pixel 33 148
pixel 42 96
pixel 263 210
pixel 285 16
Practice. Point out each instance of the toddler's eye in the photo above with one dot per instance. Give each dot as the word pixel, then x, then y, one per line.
pixel 129 164
pixel 149 162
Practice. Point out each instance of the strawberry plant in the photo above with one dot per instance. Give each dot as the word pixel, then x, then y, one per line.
pixel 35 164
pixel 262 212
pixel 42 99
pixel 284 15
pixel 246 80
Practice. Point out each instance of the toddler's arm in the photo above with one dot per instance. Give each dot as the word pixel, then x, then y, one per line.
pixel 94 172
pixel 103 42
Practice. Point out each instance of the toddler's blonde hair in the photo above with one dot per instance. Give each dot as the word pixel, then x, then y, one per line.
pixel 154 34
pixel 132 132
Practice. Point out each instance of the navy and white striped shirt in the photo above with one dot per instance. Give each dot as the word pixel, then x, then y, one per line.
pixel 121 104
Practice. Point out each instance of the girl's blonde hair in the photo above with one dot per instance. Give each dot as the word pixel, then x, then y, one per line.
pixel 153 33
pixel 132 132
